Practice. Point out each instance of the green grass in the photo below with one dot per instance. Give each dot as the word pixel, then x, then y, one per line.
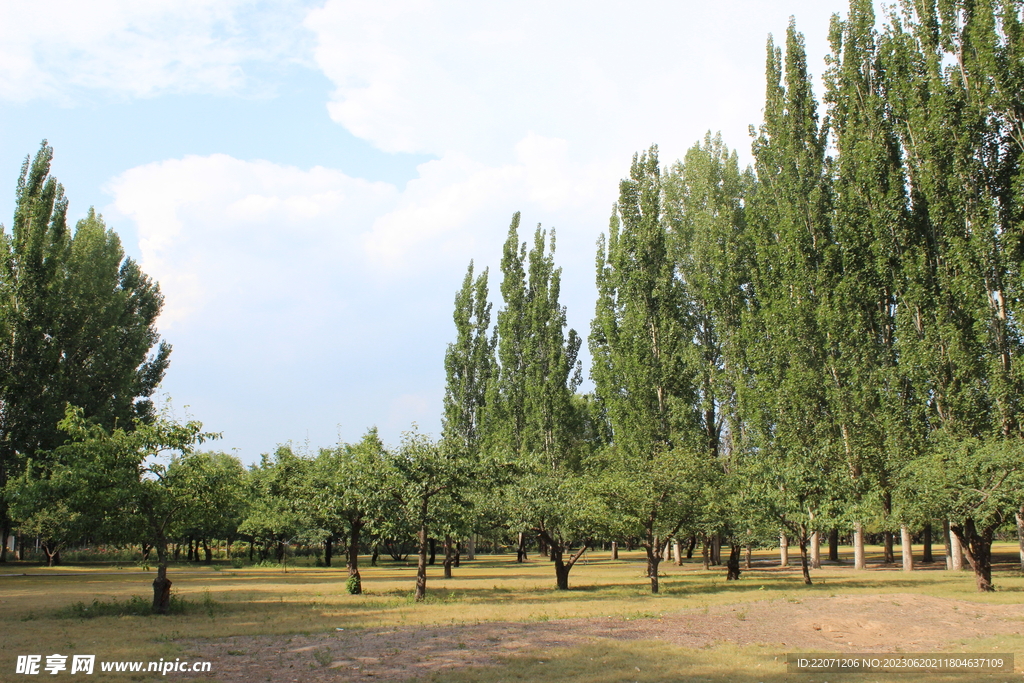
pixel 96 609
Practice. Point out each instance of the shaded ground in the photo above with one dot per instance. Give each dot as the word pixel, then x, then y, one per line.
pixel 890 623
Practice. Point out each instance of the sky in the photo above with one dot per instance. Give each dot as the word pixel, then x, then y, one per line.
pixel 309 180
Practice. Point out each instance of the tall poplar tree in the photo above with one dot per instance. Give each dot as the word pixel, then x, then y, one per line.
pixel 77 321
pixel 532 417
pixel 956 87
pixel 640 338
pixel 791 463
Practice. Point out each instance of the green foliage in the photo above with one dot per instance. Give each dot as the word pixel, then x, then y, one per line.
pixel 354 584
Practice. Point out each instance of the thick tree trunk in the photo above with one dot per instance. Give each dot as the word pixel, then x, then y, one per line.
pixel 734 564
pixel 421 564
pixel 471 547
pixel 833 545
pixel 804 567
pixel 858 546
pixel 677 552
pixel 783 550
pixel 457 561
pixel 5 528
pixel 716 549
pixel 562 567
pixel 449 557
pixel 815 551
pixel 926 545
pixel 355 580
pixel 615 550
pixel 690 546
pixel 328 550
pixel 978 547
pixel 906 550
pixel 1020 535
pixel 161 584
pixel 433 552
pixel 207 553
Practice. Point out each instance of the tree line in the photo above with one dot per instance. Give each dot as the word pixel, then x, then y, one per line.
pixel 826 341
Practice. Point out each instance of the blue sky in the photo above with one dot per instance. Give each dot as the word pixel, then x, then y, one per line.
pixel 309 180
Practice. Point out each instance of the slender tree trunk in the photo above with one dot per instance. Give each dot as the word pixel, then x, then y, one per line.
pixel 653 548
pixel 5 529
pixel 521 548
pixel 815 551
pixel 52 555
pixel 471 547
pixel 615 550
pixel 355 579
pixel 858 546
pixel 734 564
pixel 804 565
pixel 207 553
pixel 705 551
pixel 750 552
pixel 906 548
pixel 449 557
pixel 783 550
pixel 251 550
pixel 926 549
pixel 161 584
pixel 421 564
pixel 890 558
pixel 433 552
pixel 1020 535
pixel 955 552
pixel 458 554
pixel 833 545
pixel 375 554
pixel 328 550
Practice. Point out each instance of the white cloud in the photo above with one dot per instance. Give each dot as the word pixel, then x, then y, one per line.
pixel 67 49
pixel 225 236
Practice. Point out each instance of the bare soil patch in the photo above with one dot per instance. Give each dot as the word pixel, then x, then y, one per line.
pixel 889 623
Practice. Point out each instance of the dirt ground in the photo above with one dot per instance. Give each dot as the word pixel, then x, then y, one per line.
pixel 847 623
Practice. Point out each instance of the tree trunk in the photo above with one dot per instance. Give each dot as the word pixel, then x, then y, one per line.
pixel 906 549
pixel 705 551
pixel 421 564
pixel 375 555
pixel 251 550
pixel 521 548
pixel 858 546
pixel 615 550
pixel 978 547
pixel 815 550
pixel 1020 535
pixel 677 552
pixel 52 555
pixel 783 550
pixel 833 545
pixel 956 551
pixel 716 549
pixel 690 546
pixel 734 564
pixel 328 550
pixel 926 550
pixel 750 552
pixel 449 557
pixel 890 557
pixel 433 552
pixel 458 554
pixel 471 547
pixel 653 548
pixel 5 529
pixel 803 561
pixel 161 584
pixel 207 553
pixel 355 580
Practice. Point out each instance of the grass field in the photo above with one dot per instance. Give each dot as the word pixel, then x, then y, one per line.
pixel 90 609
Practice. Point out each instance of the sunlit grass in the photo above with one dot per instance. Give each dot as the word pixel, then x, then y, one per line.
pixel 49 611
